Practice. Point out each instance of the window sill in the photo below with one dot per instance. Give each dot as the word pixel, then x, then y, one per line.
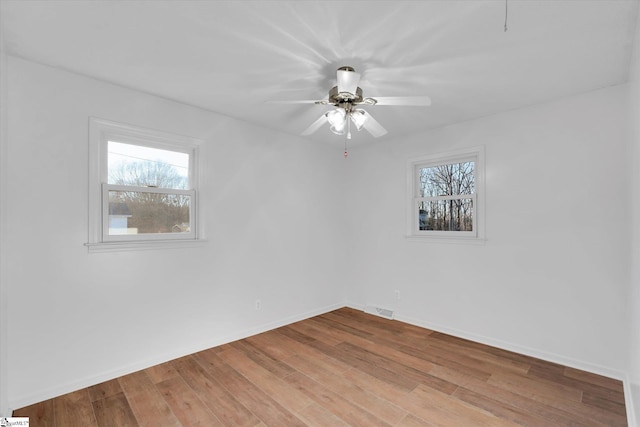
pixel 143 246
pixel 448 239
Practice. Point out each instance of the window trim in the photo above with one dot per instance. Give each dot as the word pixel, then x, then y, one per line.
pixel 475 154
pixel 100 132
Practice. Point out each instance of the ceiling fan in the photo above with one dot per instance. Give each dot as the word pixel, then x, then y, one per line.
pixel 347 97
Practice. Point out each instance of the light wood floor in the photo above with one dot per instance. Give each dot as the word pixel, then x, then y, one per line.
pixel 344 368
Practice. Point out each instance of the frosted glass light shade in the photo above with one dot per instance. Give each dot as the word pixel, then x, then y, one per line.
pixel 337 120
pixel 358 118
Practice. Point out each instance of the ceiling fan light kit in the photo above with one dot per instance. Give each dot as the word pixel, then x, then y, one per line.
pixel 340 120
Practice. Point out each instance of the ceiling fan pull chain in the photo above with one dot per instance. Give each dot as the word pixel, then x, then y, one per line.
pixel 346 153
pixel 506 11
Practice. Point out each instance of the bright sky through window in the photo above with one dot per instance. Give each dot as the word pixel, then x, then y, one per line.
pixel 120 153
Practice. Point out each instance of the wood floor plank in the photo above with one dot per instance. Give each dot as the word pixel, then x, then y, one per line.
pixel 346 357
pixel 114 411
pixel 74 409
pixel 397 369
pixel 40 414
pixel 342 368
pixel 342 328
pixel 334 403
pixel 303 350
pixel 454 376
pixel 274 344
pixel 412 421
pixel 564 413
pixel 297 336
pixel 465 345
pixel 316 415
pixel 327 336
pixel 271 364
pixel 443 409
pixel 220 401
pixel 555 373
pixel 147 404
pixel 253 398
pixel 500 409
pixel 608 405
pixel 186 404
pixel 488 362
pixel 390 353
pixel 446 359
pixel 267 381
pixel 485 360
pixel 375 333
pixel 162 372
pixel 394 327
pixel 594 379
pixel 383 389
pixel 535 388
pixel 300 349
pixel 363 397
pixel 104 390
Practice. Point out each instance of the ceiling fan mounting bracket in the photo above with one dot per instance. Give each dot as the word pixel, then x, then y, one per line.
pixel 347 68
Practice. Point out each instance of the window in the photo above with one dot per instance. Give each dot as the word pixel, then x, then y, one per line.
pixel 143 187
pixel 446 195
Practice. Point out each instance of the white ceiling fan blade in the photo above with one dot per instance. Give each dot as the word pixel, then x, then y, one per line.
pixel 315 125
pixel 348 81
pixel 415 101
pixel 301 101
pixel 373 126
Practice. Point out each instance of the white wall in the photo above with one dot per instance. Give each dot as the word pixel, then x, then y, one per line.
pixel 552 278
pixel 77 318
pixel 634 177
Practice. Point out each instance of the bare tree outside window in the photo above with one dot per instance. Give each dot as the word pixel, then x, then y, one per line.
pixel 446 197
pixel 148 173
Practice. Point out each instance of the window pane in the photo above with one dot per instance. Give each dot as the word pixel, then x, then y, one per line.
pixel 136 212
pixel 446 215
pixel 446 180
pixel 147 167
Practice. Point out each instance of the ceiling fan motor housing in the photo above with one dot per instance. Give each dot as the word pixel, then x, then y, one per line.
pixel 339 98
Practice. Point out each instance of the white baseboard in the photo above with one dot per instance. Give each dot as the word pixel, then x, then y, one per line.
pixel 629 398
pixel 172 354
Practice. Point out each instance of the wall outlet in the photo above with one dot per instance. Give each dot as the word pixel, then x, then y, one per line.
pixel 396 293
pixel 258 304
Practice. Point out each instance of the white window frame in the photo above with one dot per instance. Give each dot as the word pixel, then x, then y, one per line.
pixel 100 133
pixel 475 154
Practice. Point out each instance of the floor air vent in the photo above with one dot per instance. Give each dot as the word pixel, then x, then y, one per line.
pixel 378 311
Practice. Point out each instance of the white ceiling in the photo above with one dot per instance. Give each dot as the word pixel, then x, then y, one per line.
pixel 233 56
